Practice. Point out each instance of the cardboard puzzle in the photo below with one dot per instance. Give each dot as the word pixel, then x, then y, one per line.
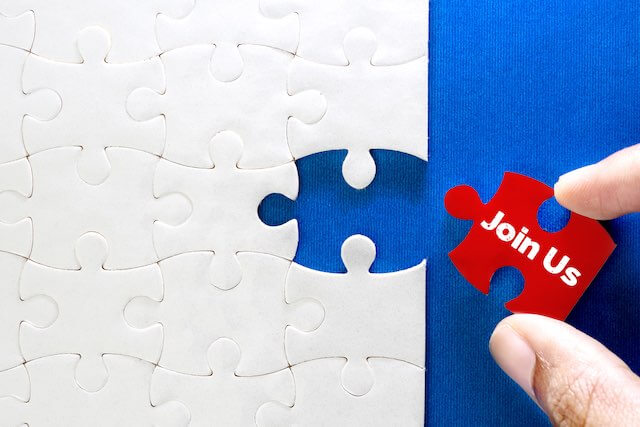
pixel 355 301
pixel 557 267
pixel 138 284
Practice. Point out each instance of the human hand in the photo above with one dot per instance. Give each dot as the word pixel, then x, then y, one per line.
pixel 571 376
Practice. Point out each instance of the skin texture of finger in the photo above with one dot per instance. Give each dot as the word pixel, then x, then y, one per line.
pixel 573 378
pixel 605 190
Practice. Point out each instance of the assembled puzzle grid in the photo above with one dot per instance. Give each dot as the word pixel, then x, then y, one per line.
pixel 138 285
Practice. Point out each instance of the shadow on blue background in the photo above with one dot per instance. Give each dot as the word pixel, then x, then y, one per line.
pixel 538 88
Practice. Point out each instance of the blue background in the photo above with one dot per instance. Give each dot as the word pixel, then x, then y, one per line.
pixel 537 87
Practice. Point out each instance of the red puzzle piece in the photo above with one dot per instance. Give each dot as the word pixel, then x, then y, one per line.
pixel 557 267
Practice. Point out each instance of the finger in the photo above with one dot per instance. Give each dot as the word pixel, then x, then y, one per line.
pixel 604 190
pixel 572 377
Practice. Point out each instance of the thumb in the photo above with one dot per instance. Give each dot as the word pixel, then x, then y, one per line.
pixel 604 190
pixel 571 376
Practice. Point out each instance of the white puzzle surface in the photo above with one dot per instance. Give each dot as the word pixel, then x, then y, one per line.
pixel 138 284
pixel 359 301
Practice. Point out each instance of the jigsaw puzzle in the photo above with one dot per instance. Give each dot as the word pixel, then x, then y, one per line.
pixel 131 26
pixel 254 313
pixel 62 207
pixel 39 311
pixel 18 102
pixel 321 400
pixel 225 397
pixel 93 115
pixel 401 27
pixel 366 105
pixel 138 284
pixel 256 107
pixel 43 393
pixel 227 25
pixel 355 301
pixel 557 267
pixel 90 303
pixel 15 182
pixel 225 203
pixel 17 31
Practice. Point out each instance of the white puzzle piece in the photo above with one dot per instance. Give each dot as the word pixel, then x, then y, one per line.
pixel 40 311
pixel 41 104
pixel 254 313
pixel 223 398
pixel 256 106
pixel 396 399
pixel 17 31
pixel 390 307
pixel 14 384
pixel 93 114
pixel 91 302
pixel 16 235
pixel 14 392
pixel 225 203
pixel 368 107
pixel 401 27
pixel 227 24
pixel 131 25
pixel 56 400
pixel 62 207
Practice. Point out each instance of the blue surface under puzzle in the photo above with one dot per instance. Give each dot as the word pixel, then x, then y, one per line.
pixel 538 88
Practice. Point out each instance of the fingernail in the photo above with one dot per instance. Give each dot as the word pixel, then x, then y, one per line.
pixel 577 174
pixel 514 356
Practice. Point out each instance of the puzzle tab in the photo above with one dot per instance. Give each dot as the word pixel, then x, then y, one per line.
pixel 557 267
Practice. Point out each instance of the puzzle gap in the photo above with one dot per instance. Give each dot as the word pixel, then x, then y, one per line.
pixel 276 209
pixel 507 283
pixel 552 216
pixel 393 200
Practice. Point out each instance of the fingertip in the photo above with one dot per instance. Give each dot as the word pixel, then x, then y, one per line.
pixel 604 190
pixel 578 191
pixel 514 356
